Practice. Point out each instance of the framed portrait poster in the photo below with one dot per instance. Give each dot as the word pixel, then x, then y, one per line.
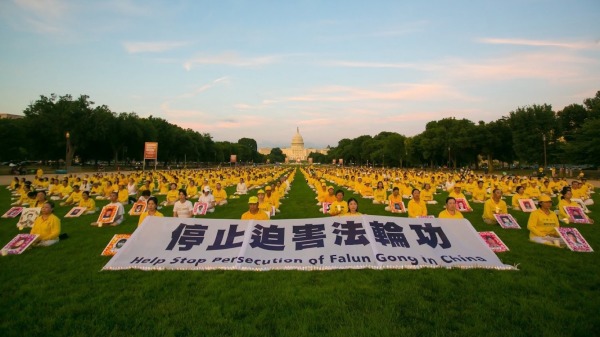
pixel 581 204
pixel 115 244
pixel 507 221
pixel 200 208
pixel 108 214
pixel 138 208
pixel 326 208
pixel 75 212
pixel 28 216
pixel 527 205
pixel 573 239
pixel 493 241
pixel 18 244
pixel 576 214
pixel 13 212
pixel 462 205
pixel 397 207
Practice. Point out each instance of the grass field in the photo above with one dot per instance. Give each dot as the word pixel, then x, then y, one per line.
pixel 60 290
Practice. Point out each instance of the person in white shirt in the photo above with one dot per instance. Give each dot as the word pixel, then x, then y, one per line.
pixel 208 199
pixel 241 187
pixel 114 196
pixel 183 208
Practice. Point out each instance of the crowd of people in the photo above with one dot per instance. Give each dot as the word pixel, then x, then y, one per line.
pixel 266 187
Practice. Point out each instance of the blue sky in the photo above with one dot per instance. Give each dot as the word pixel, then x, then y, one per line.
pixel 336 69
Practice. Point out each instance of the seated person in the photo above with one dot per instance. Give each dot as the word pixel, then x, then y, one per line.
pixel 416 206
pixel 152 204
pixel 172 195
pixel 254 213
pixel 241 188
pixel 542 223
pixel 352 208
pixel 393 199
pixel 208 199
pixel 47 226
pixel 87 202
pixel 494 205
pixel 479 193
pixel 272 197
pixel 120 211
pixel 427 194
pixel 380 194
pixel 450 212
pixel 220 195
pixel 74 198
pixel 339 206
pixel 518 196
pixel 183 208
pixel 367 191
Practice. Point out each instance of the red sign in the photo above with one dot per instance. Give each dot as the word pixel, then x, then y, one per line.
pixel 233 158
pixel 151 150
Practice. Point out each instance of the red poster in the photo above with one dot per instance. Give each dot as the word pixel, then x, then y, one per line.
pixel 151 150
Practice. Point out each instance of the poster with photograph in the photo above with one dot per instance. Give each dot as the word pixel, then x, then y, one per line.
pixel 581 204
pixel 108 214
pixel 28 216
pixel 75 212
pixel 507 221
pixel 573 239
pixel 13 212
pixel 576 214
pixel 397 207
pixel 200 208
pixel 18 244
pixel 493 241
pixel 138 208
pixel 462 205
pixel 527 205
pixel 115 244
pixel 326 207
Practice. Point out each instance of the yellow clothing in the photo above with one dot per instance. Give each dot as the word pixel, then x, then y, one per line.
pixel 542 224
pixel 446 215
pixel 516 198
pixel 416 209
pixel 427 195
pixel 366 191
pixel 193 191
pixel 353 214
pixel 561 208
pixel 48 229
pixel 172 196
pixel 342 205
pixel 90 204
pixel 479 194
pixel 260 215
pixel 490 207
pixel 145 214
pixel 123 196
pixel 219 195
pixel 75 197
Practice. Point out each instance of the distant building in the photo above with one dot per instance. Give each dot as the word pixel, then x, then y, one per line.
pixel 297 151
pixel 10 116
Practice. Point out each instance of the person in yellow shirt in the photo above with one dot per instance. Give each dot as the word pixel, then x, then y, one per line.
pixel 367 191
pixel 379 194
pixel 427 194
pixel 352 208
pixel 532 190
pixel 494 205
pixel 263 203
pixel 152 203
pixel 416 206
pixel 395 203
pixel 47 226
pixel 87 202
pixel 254 213
pixel 220 195
pixel 406 189
pixel 123 194
pixel 542 223
pixel 172 195
pixel 450 212
pixel 322 194
pixel 518 196
pixel 479 193
pixel 74 198
pixel 339 206
pixel 192 190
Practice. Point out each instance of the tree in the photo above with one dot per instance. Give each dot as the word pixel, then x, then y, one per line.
pixel 533 128
pixel 276 155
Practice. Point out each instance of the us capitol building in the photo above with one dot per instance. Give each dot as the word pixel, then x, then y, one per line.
pixel 297 151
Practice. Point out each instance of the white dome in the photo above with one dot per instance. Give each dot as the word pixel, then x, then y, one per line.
pixel 297 139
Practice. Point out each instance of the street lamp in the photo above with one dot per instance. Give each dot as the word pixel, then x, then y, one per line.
pixel 545 159
pixel 68 137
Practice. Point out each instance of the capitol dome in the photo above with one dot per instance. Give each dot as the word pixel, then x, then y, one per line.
pixel 297 140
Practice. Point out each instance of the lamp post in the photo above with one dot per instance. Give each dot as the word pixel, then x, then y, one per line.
pixel 545 158
pixel 68 137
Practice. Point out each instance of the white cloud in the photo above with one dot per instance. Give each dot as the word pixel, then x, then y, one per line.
pixel 543 43
pixel 231 59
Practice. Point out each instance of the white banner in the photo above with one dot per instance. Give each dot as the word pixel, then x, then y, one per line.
pixel 305 244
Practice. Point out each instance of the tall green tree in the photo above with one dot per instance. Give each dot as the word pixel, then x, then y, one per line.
pixel 534 127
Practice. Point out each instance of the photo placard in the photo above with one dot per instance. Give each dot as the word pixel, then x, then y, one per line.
pixel 493 241
pixel 200 208
pixel 108 214
pixel 18 244
pixel 527 205
pixel 507 221
pixel 574 239
pixel 75 212
pixel 13 212
pixel 115 244
pixel 138 208
pixel 576 214
pixel 28 216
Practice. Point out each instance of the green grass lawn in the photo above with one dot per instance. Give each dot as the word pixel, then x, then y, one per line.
pixel 60 290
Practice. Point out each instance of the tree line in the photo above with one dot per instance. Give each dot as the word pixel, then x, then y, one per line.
pixel 533 134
